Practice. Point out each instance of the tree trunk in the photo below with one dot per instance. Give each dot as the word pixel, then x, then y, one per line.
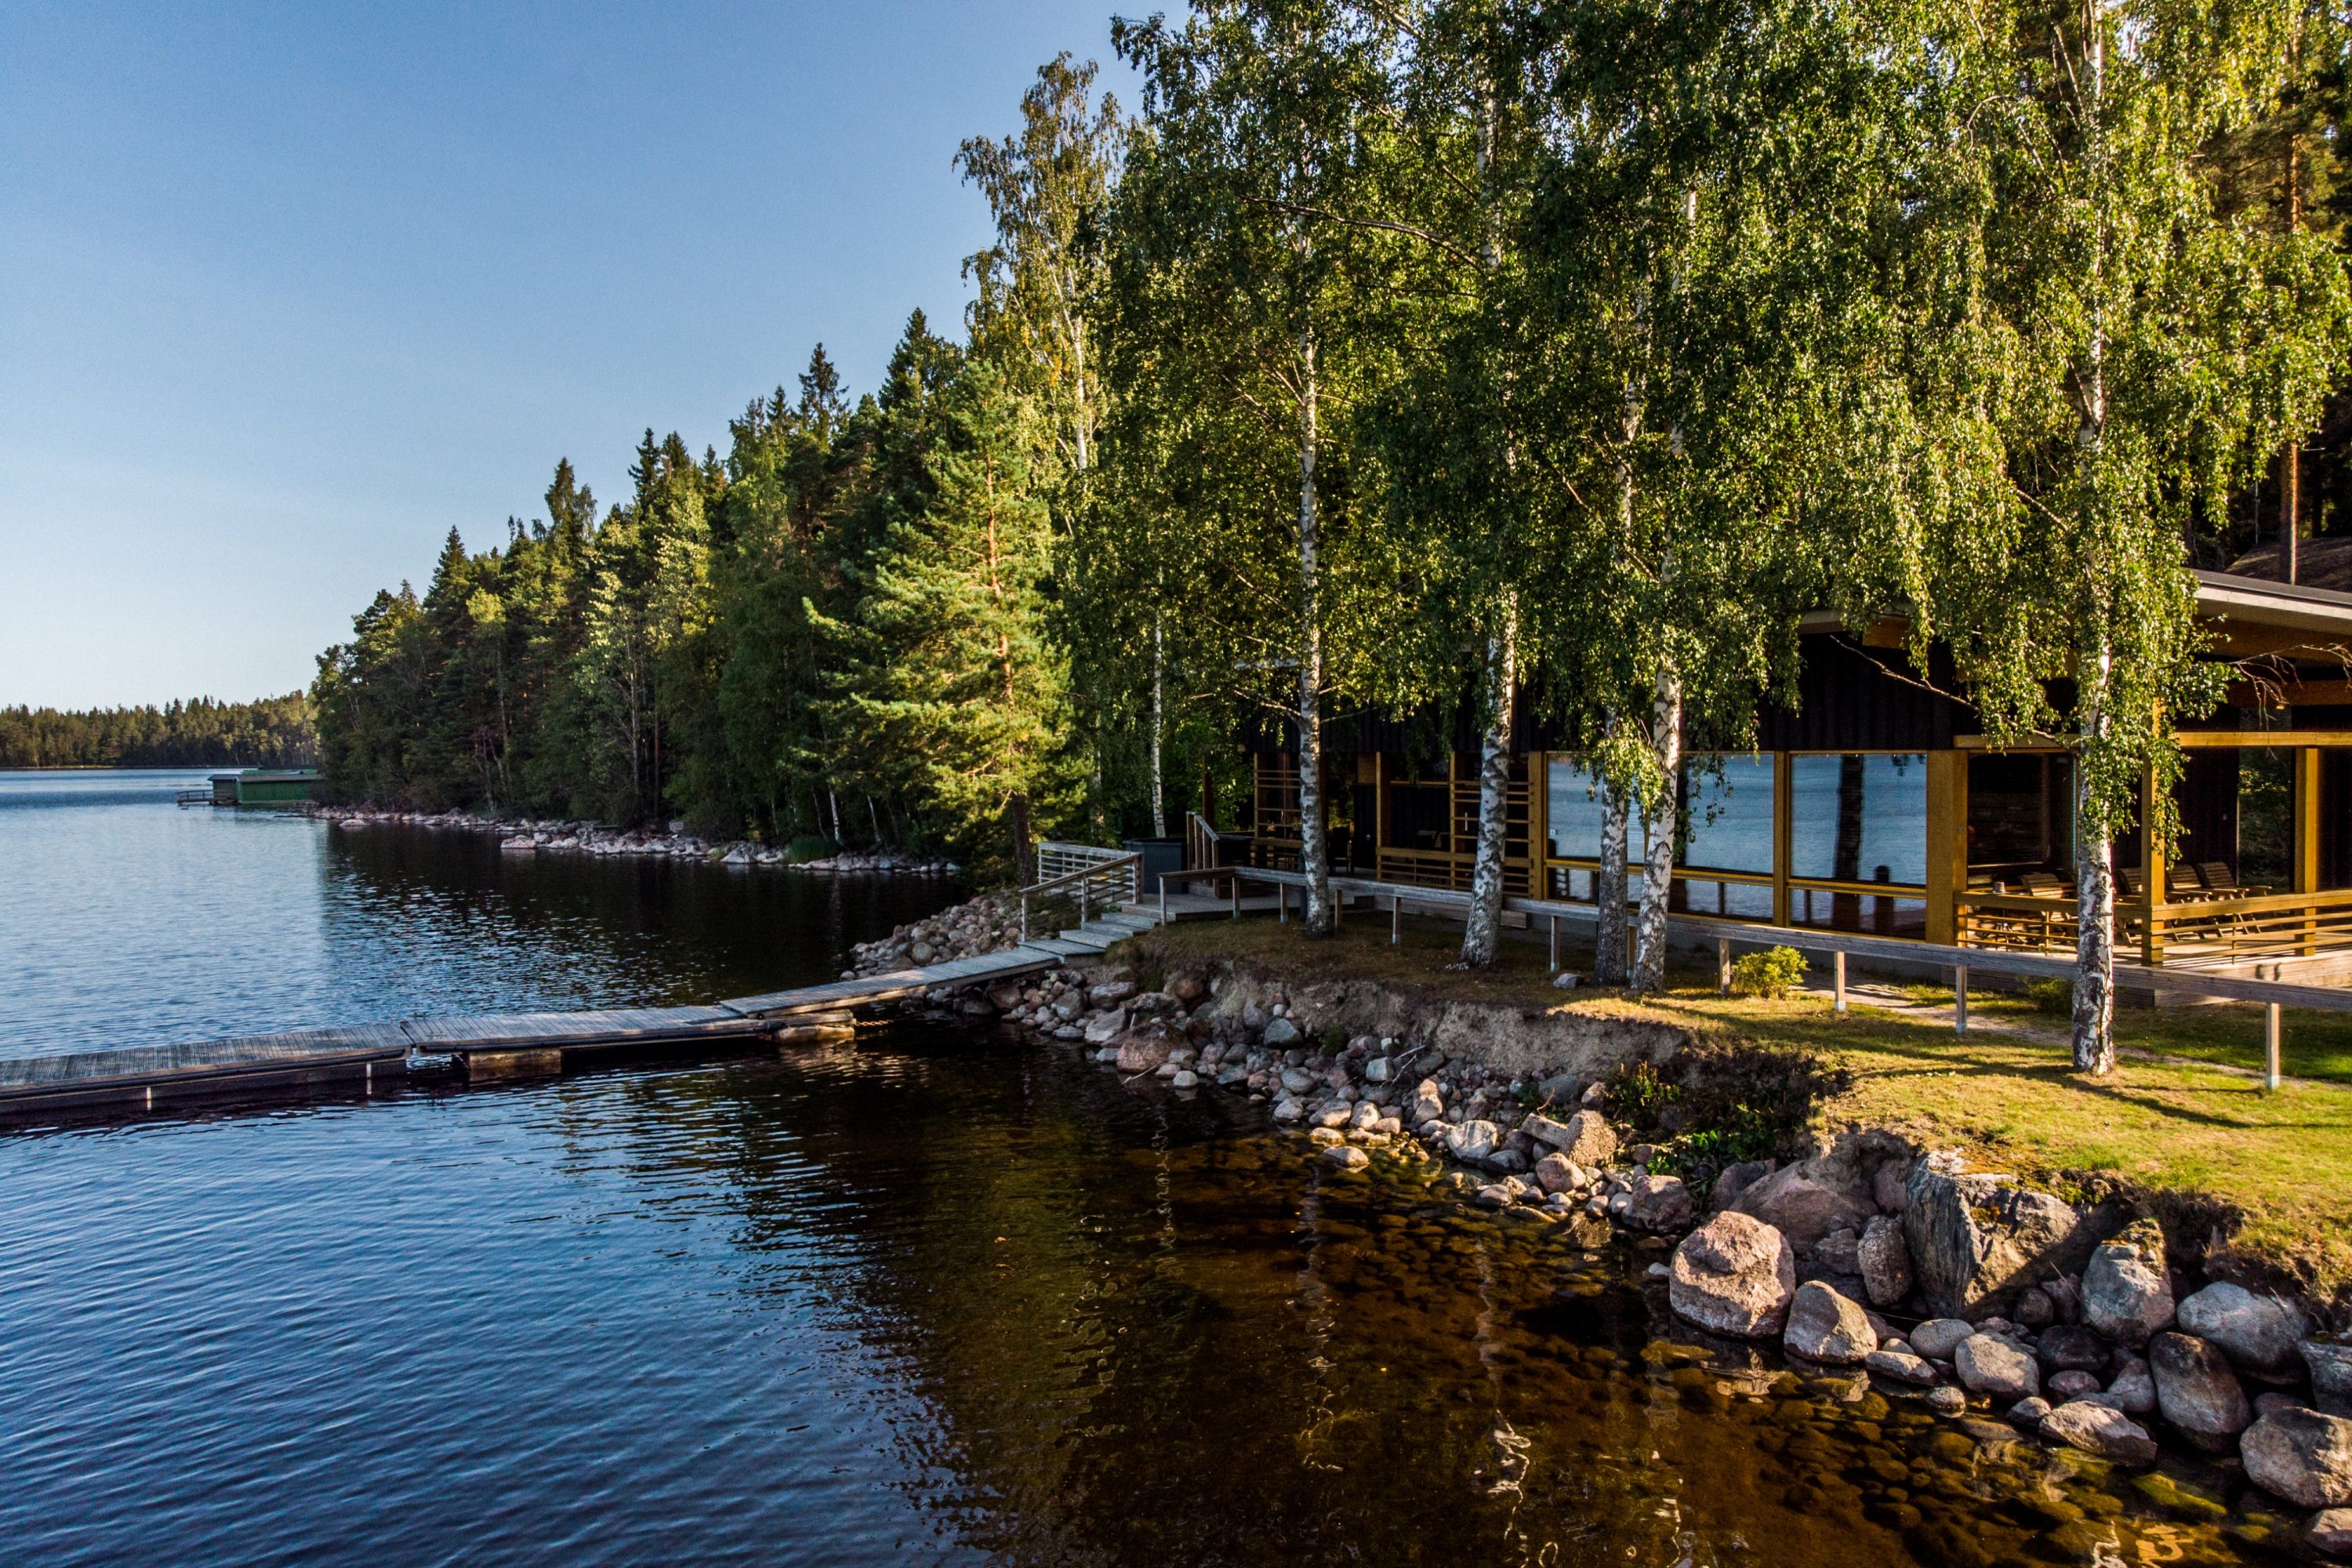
pixel 1016 817
pixel 1608 885
pixel 1314 850
pixel 1158 724
pixel 2094 929
pixel 1664 818
pixel 1482 938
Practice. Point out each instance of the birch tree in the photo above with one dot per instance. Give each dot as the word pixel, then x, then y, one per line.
pixel 2103 357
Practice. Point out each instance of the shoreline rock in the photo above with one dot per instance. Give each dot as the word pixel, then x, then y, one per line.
pixel 669 841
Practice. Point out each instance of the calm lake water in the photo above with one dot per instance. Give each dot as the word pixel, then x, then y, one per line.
pixel 928 1298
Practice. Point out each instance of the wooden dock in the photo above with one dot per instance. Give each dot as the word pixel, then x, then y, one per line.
pixel 496 1046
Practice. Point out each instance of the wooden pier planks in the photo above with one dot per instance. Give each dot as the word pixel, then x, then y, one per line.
pixel 132 1077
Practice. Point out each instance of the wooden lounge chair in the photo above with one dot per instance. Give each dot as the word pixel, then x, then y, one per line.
pixel 2042 885
pixel 2182 885
pixel 2133 881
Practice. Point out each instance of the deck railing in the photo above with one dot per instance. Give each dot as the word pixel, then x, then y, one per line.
pixel 1081 878
pixel 2193 932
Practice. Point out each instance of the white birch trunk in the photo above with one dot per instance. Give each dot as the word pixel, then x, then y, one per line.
pixel 1608 884
pixel 1314 850
pixel 1482 937
pixel 1664 819
pixel 2093 1039
pixel 1158 724
pixel 2094 890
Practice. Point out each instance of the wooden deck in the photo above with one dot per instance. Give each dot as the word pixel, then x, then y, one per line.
pixel 501 1044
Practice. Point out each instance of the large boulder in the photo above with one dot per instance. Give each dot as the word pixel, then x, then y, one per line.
pixel 1591 1142
pixel 2134 1390
pixel 1556 1172
pixel 2331 1375
pixel 2258 1333
pixel 2302 1456
pixel 2196 1391
pixel 1884 1259
pixel 1824 1326
pixel 1901 1366
pixel 1736 1179
pixel 1142 1053
pixel 2064 1347
pixel 2100 1429
pixel 1659 1203
pixel 1544 1129
pixel 1734 1275
pixel 1280 1032
pixel 1473 1140
pixel 2125 1293
pixel 1106 1028
pixel 1977 1240
pixel 1428 1104
pixel 1800 1206
pixel 1996 1368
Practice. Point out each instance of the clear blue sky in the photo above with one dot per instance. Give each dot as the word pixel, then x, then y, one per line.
pixel 288 291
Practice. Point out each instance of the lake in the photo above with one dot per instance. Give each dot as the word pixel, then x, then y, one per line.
pixel 932 1298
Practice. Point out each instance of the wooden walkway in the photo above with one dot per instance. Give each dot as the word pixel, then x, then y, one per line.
pixel 501 1045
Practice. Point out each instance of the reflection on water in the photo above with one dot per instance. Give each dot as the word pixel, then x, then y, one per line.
pixel 126 921
pixel 923 1299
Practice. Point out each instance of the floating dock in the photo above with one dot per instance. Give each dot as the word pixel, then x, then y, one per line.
pixel 495 1045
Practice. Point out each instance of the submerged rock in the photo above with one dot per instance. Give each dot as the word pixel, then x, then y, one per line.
pixel 2100 1429
pixel 1901 1366
pixel 1735 1275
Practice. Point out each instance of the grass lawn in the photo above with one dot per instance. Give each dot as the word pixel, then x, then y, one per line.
pixel 2007 1096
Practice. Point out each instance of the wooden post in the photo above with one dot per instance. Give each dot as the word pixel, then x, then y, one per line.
pixel 1948 842
pixel 1396 919
pixel 2151 870
pixel 2306 840
pixel 1282 904
pixel 1554 943
pixel 1234 882
pixel 1380 815
pixel 1723 966
pixel 1837 982
pixel 2270 1046
pixel 1781 812
pixel 1960 1000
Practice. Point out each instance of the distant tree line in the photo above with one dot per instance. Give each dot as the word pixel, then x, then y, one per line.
pixel 275 733
pixel 1425 353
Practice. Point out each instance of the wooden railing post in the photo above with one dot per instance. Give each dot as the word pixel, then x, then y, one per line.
pixel 1723 966
pixel 2270 1046
pixel 1960 999
pixel 1837 982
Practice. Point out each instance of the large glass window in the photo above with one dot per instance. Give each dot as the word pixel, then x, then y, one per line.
pixel 1730 815
pixel 2021 823
pixel 1859 817
pixel 2265 856
pixel 1572 815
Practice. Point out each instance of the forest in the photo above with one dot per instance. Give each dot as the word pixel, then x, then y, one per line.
pixel 1455 356
pixel 275 733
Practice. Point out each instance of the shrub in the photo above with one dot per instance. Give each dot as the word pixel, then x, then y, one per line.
pixel 1772 973
pixel 2051 995
pixel 808 847
pixel 1639 1094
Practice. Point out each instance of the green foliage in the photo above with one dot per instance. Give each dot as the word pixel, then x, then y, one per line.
pixel 2055 997
pixel 1639 1095
pixel 275 733
pixel 1772 973
pixel 806 847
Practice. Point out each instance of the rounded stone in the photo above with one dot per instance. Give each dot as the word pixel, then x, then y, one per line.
pixel 1735 1275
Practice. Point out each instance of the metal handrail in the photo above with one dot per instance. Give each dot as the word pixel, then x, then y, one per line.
pixel 1113 863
